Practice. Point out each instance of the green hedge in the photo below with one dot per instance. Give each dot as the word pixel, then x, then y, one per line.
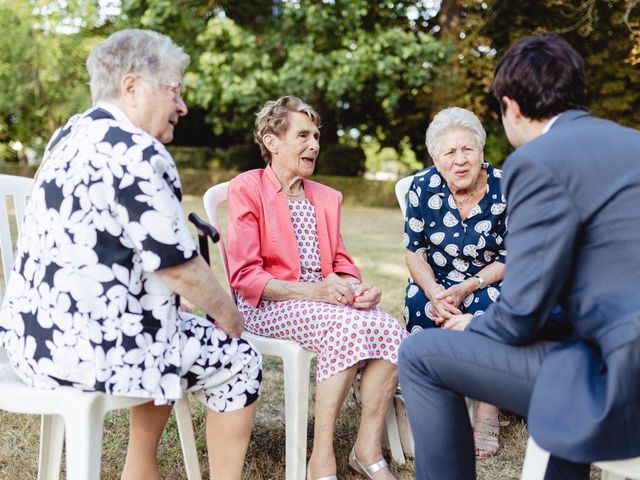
pixel 356 191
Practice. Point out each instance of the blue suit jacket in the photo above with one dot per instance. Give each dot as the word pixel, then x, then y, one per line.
pixel 574 240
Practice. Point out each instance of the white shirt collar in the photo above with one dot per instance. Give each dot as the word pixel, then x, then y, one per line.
pixel 117 113
pixel 549 123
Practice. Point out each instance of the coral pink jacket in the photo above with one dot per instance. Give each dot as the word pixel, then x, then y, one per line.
pixel 261 242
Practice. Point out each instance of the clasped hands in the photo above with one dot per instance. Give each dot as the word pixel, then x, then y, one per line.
pixel 444 306
pixel 349 291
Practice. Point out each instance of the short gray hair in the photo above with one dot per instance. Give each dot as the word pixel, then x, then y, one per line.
pixel 450 119
pixel 273 118
pixel 130 51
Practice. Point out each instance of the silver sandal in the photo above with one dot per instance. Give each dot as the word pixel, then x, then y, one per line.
pixel 355 464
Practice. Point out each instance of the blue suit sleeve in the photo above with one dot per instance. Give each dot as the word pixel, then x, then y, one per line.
pixel 543 228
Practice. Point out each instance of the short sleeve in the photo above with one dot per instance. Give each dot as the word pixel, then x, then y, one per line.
pixel 148 208
pixel 414 239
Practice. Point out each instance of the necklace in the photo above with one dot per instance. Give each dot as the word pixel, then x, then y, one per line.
pixel 291 194
pixel 460 202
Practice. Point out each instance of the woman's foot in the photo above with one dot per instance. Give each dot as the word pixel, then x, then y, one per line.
pixel 370 468
pixel 486 431
pixel 321 467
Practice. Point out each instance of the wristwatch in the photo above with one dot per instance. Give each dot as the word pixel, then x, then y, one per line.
pixel 481 283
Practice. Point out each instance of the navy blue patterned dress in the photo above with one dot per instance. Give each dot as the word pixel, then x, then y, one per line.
pixel 456 249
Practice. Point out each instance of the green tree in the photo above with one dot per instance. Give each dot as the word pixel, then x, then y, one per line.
pixel 362 64
pixel 42 74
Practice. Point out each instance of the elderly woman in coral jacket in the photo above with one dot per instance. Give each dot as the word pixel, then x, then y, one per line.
pixel 295 280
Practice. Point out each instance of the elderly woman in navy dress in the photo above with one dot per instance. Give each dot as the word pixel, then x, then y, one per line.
pixel 454 235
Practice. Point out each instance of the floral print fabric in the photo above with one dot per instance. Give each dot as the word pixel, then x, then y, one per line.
pixel 455 249
pixel 83 306
pixel 341 336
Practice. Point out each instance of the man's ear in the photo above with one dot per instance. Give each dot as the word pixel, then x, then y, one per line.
pixel 270 141
pixel 511 106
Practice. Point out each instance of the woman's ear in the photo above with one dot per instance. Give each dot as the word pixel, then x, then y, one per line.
pixel 128 88
pixel 271 142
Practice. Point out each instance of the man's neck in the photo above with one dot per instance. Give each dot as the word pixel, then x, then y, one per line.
pixel 532 129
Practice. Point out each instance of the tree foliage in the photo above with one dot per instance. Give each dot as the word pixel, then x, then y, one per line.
pixel 42 75
pixel 362 64
pixel 374 69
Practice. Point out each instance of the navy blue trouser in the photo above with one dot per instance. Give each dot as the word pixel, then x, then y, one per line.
pixel 437 369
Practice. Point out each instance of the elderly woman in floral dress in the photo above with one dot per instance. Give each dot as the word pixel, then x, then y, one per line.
pixel 295 280
pixel 455 228
pixel 91 302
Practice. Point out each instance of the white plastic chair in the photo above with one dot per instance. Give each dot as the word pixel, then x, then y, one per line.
pixel 296 363
pixel 402 190
pixel 68 414
pixel 536 459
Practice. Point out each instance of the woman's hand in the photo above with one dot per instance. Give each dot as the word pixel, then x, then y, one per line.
pixel 336 290
pixel 458 322
pixel 455 294
pixel 366 296
pixel 441 308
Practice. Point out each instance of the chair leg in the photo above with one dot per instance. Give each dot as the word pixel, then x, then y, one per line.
pixel 296 406
pixel 535 462
pixel 393 435
pixel 471 408
pixel 187 438
pixel 51 441
pixel 83 435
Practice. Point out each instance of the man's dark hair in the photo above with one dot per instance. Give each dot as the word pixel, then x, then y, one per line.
pixel 544 74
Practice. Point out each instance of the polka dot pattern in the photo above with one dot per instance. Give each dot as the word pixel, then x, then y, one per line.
pixel 340 336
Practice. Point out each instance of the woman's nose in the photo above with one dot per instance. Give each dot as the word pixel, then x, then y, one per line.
pixel 182 107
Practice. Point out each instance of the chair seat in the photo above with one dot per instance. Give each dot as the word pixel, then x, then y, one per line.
pixel 276 346
pixel 629 468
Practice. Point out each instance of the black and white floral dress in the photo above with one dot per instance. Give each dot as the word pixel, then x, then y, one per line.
pixel 84 306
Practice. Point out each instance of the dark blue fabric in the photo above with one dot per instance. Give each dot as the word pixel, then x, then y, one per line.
pixel 456 249
pixel 438 368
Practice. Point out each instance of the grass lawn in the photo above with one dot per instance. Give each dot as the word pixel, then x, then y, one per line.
pixel 373 236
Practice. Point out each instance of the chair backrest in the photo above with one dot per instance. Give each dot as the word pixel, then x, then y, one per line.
pixel 212 199
pixel 402 191
pixel 16 189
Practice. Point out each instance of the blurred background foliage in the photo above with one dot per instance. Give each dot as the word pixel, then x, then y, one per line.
pixel 377 71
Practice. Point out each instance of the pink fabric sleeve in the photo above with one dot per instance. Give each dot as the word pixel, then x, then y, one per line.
pixel 246 272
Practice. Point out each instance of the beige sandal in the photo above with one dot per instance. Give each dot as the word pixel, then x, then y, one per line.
pixel 355 464
pixel 486 434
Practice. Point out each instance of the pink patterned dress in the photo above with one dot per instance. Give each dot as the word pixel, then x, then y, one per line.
pixel 340 336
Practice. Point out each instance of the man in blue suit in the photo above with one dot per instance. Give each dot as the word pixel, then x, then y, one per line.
pixel 573 192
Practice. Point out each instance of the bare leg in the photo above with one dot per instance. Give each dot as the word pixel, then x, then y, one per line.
pixel 145 428
pixel 486 430
pixel 330 395
pixel 377 387
pixel 228 436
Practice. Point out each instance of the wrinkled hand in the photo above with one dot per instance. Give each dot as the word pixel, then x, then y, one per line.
pixel 232 324
pixel 336 290
pixel 366 296
pixel 446 302
pixel 458 322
